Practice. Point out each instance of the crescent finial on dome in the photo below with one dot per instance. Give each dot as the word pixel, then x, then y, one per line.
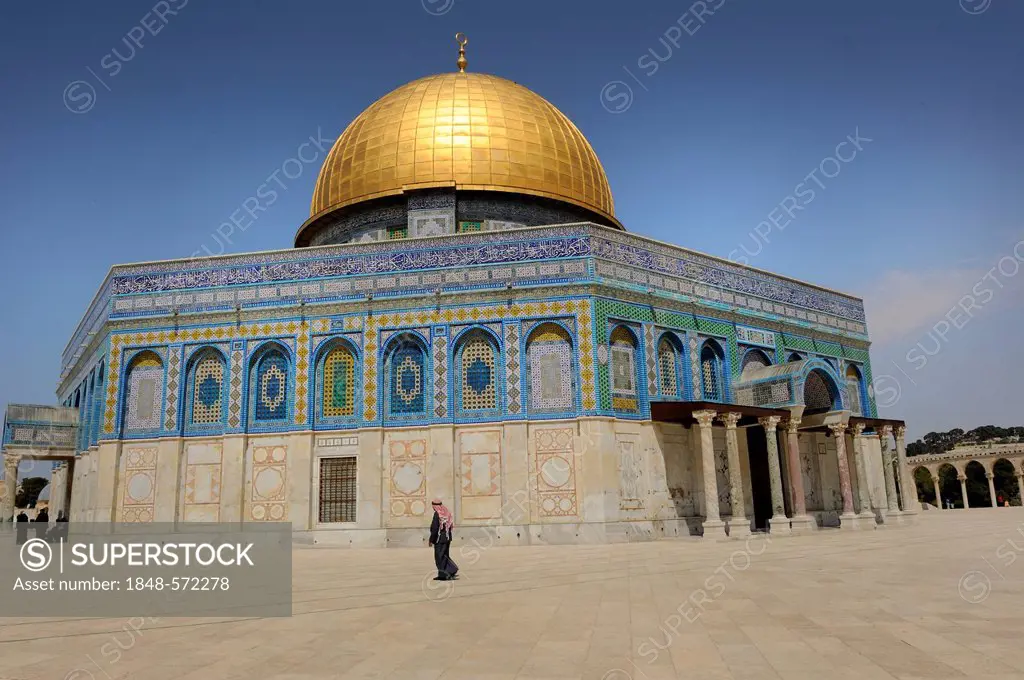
pixel 463 41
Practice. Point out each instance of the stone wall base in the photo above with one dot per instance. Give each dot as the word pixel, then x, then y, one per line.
pixel 483 537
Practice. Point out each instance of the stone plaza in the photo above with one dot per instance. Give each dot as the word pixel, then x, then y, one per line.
pixel 939 601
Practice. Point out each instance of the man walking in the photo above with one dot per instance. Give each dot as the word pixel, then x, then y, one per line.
pixel 441 540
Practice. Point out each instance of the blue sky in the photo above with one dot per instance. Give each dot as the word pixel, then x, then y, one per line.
pixel 727 115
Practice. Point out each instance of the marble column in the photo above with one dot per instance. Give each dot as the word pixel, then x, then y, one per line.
pixel 992 488
pixel 10 486
pixel 849 518
pixel 963 490
pixel 938 492
pixel 713 524
pixel 800 521
pixel 739 525
pixel 778 519
pixel 1020 486
pixel 911 504
pixel 888 469
pixel 863 497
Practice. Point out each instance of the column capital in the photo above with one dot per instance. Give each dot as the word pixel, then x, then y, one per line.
pixel 730 420
pixel 900 431
pixel 962 477
pixel 837 429
pixel 858 430
pixel 989 475
pixel 704 418
pixel 770 423
pixel 11 462
pixel 793 425
pixel 884 431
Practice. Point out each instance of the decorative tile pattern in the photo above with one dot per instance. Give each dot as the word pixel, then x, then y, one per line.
pixel 145 395
pixel 478 359
pixel 440 348
pixel 513 369
pixel 650 354
pixel 208 390
pixel 272 387
pixel 339 384
pixel 370 374
pixel 407 478
pixel 817 393
pixel 549 353
pixel 138 490
pixel 407 378
pixel 695 369
pixel 585 335
pixel 173 377
pixel 554 478
pixel 754 359
pixel 753 336
pixel 302 375
pixel 269 490
pixel 235 395
pixel 623 360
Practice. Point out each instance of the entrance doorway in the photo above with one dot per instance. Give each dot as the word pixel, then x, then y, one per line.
pixel 760 482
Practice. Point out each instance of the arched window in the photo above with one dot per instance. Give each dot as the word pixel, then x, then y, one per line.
pixel 406 369
pixel 144 392
pixel 549 369
pixel 820 394
pixel 711 372
pixel 794 356
pixel 338 383
pixel 752 361
pixel 623 360
pixel 477 357
pixel 668 368
pixel 853 387
pixel 206 393
pixel 269 396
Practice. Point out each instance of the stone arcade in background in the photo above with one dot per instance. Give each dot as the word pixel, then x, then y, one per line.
pixel 464 317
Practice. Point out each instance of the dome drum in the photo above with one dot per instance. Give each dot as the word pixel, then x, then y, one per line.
pixel 445 211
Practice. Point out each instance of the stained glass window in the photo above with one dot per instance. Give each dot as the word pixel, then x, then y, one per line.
pixel 407 378
pixel 208 390
pixel 478 374
pixel 339 383
pixel 623 363
pixel 711 372
pixel 272 386
pixel 470 226
pixel 853 390
pixel 667 374
pixel 549 359
pixel 400 232
pixel 144 396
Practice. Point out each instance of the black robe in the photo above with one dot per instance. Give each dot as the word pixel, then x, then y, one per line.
pixel 442 542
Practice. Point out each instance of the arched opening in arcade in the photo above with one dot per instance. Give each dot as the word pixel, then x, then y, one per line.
pixel 977 485
pixel 820 393
pixel 1006 482
pixel 949 487
pixel 925 486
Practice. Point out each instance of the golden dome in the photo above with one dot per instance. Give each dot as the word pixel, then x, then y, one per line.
pixel 467 131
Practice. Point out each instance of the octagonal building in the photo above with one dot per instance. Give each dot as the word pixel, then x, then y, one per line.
pixel 464 317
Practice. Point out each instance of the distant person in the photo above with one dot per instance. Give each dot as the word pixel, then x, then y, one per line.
pixel 21 527
pixel 60 529
pixel 42 522
pixel 441 539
